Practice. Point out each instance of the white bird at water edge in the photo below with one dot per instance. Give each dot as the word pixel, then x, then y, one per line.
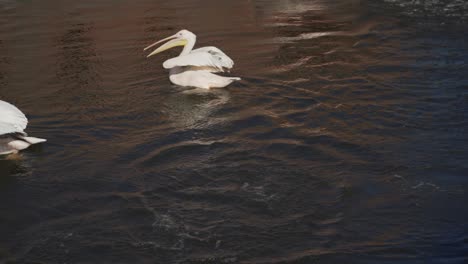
pixel 195 67
pixel 12 125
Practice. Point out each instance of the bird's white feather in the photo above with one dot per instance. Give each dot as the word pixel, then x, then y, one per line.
pixel 12 120
pixel 211 57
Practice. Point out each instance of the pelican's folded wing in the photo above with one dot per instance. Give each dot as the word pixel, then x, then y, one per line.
pixel 203 57
pixel 12 120
pixel 218 54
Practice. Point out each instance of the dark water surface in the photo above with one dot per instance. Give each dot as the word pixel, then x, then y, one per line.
pixel 346 141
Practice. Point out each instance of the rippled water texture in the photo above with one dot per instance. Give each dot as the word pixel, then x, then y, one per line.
pixel 345 142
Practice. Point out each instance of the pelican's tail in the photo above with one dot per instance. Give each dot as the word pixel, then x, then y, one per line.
pixel 17 143
pixel 228 80
pixel 33 140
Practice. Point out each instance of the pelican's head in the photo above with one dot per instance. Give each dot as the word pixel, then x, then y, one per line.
pixel 181 38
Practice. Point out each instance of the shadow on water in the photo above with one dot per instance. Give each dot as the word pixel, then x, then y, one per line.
pixel 345 141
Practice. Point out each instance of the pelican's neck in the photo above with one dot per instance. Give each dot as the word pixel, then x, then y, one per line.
pixel 189 46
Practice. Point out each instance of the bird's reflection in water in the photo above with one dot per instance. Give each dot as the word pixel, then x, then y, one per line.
pixel 20 163
pixel 11 166
pixel 190 108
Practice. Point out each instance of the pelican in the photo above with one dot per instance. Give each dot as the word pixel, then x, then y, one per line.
pixel 12 125
pixel 195 67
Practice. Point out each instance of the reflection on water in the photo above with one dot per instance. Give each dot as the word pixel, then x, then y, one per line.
pixel 189 107
pixel 345 141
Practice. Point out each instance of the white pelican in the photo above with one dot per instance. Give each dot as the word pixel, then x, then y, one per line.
pixel 195 67
pixel 12 125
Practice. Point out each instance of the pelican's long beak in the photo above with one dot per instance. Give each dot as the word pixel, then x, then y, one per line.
pixel 170 44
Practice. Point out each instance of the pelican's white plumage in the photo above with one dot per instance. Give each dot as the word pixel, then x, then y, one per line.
pixel 12 120
pixel 195 67
pixel 203 57
pixel 12 125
